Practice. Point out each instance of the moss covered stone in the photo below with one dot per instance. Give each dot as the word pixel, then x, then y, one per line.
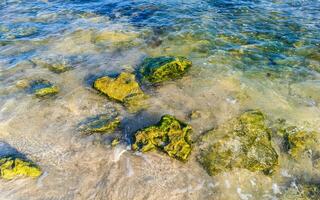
pixel 300 143
pixel 43 88
pixel 124 88
pixel 302 192
pixel 243 142
pixel 169 135
pixel 165 68
pixel 103 123
pixel 12 167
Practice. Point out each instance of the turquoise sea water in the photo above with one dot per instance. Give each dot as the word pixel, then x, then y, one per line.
pixel 246 55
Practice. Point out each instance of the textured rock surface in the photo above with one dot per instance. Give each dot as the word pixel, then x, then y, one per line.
pixel 165 68
pixel 169 135
pixel 243 142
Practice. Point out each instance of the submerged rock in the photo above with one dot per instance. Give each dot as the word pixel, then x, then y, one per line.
pixel 58 67
pixel 124 89
pixel 301 143
pixel 165 68
pixel 243 142
pixel 55 66
pixel 43 88
pixel 103 123
pixel 302 192
pixel 12 167
pixel 169 135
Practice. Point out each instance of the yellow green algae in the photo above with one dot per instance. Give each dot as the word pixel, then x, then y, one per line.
pixel 308 191
pixel 115 142
pixel 124 89
pixel 170 136
pixel 242 142
pixel 103 123
pixel 164 68
pixel 301 142
pixel 43 88
pixel 12 167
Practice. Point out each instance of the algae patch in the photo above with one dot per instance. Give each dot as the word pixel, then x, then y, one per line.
pixel 170 136
pixel 243 142
pixel 12 167
pixel 124 89
pixel 165 68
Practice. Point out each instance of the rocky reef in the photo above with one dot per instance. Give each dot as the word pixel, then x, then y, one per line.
pixel 124 88
pixel 170 136
pixel 13 167
pixel 242 142
pixel 43 88
pixel 164 68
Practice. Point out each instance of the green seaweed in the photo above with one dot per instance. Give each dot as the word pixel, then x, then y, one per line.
pixel 170 136
pixel 124 89
pixel 12 167
pixel 165 68
pixel 243 142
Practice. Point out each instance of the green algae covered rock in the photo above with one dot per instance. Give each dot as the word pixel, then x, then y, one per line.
pixel 43 88
pixel 300 142
pixel 12 167
pixel 165 68
pixel 243 142
pixel 103 123
pixel 170 136
pixel 302 192
pixel 124 89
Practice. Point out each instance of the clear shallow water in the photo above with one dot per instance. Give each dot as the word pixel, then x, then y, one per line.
pixel 247 55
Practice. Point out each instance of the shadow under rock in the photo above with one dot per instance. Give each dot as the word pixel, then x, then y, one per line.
pixel 131 124
pixel 7 150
